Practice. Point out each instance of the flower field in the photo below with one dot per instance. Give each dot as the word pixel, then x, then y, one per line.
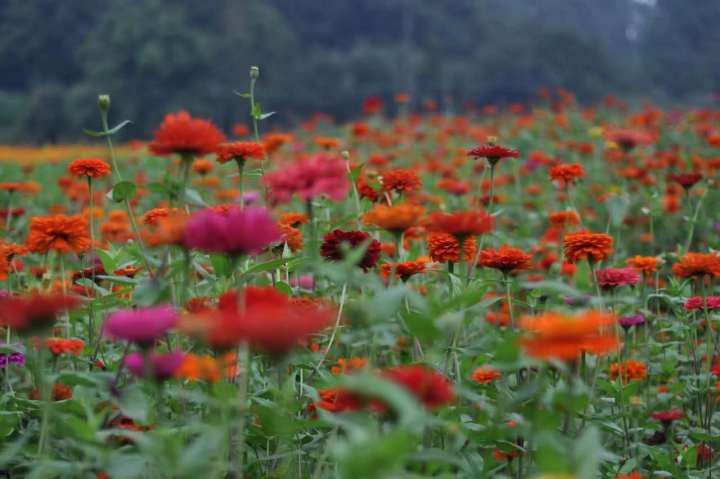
pixel 522 292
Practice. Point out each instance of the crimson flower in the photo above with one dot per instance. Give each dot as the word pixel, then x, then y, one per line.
pixel 429 387
pixel 333 241
pixel 34 312
pixel 493 152
pixel 319 175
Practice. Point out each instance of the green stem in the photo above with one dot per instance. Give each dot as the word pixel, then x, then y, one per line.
pixel 241 171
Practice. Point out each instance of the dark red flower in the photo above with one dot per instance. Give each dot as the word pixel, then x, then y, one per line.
pixel 686 180
pixel 332 249
pixel 667 417
pixel 493 152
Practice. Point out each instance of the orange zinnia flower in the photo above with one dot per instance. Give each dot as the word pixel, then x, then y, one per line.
pixel 292 236
pixel 564 218
pixel 401 181
pixel 202 167
pixel 445 248
pixel 561 336
pixel 65 234
pixel 629 370
pixel 697 264
pixel 506 259
pixel 644 264
pixel 485 375
pixel 460 224
pixel 293 219
pixel 89 167
pixel 593 246
pixel 396 218
pixel 403 270
pixel 180 133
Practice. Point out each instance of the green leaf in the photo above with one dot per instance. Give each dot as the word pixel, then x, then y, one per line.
pixel 109 263
pixel 134 403
pixel 380 455
pixel 193 197
pixel 266 115
pixel 221 264
pixel 110 132
pixel 125 190
pixel 242 95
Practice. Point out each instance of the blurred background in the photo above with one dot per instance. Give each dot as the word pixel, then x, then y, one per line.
pixel 156 56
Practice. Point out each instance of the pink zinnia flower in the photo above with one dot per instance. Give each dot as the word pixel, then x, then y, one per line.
pixel 164 365
pixel 141 325
pixel 611 277
pixel 309 178
pixel 696 302
pixel 236 231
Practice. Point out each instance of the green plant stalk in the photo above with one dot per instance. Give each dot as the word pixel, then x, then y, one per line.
pixel 45 397
pixel 8 218
pixel 243 387
pixel 187 161
pixel 241 173
pixel 336 326
pixel 693 221
pixel 91 315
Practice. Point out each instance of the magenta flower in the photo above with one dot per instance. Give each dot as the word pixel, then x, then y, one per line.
pixel 697 303
pixel 309 178
pixel 141 325
pixel 238 231
pixel 628 322
pixel 164 365
pixel 612 277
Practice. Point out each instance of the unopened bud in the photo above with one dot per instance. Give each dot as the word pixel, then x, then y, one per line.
pixel 492 140
pixel 104 102
pixel 254 72
pixel 345 154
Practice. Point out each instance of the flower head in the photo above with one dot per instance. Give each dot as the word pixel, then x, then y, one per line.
pixel 396 218
pixel 697 264
pixel 429 387
pixel 445 248
pixel 567 174
pixel 584 245
pixel 319 175
pixel 696 303
pixel 180 133
pixel 505 259
pixel 164 365
pixel 240 150
pixel 238 231
pixel 564 337
pixel 686 180
pixel 562 219
pixel 629 321
pixel 630 370
pixel 485 375
pixel 612 277
pixel 64 234
pixel 332 246
pixel 141 325
pixel 460 224
pixel 644 264
pixel 89 168
pixel 400 181
pixel 493 152
pixel 34 312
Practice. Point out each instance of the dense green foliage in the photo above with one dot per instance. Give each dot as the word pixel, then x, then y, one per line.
pixel 154 56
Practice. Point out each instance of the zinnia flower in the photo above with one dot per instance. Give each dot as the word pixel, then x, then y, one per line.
pixel 612 277
pixel 309 178
pixel 331 247
pixel 64 234
pixel 396 218
pixel 567 174
pixel 506 259
pixel 240 151
pixel 493 152
pixel 34 312
pixel 644 264
pixel 268 320
pixel 593 246
pixel 485 375
pixel 89 167
pixel 182 134
pixel 239 231
pixel 564 337
pixel 142 325
pixel 667 417
pixel 400 181
pixel 429 387
pixel 562 219
pixel 629 321
pixel 460 224
pixel 630 370
pixel 698 303
pixel 697 264
pixel 445 248
pixel 403 270
pixel 686 180
pixel 164 365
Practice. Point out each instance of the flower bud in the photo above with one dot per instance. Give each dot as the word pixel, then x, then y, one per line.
pixel 254 72
pixel 345 154
pixel 104 102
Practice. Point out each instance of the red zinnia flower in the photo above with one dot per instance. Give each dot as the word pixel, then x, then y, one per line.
pixel 593 246
pixel 332 250
pixel 400 181
pixel 460 224
pixel 667 417
pixel 567 174
pixel 34 312
pixel 429 387
pixel 180 133
pixel 65 234
pixel 506 259
pixel 89 167
pixel 309 178
pixel 240 150
pixel 493 152
pixel 611 277
pixel 697 264
pixel 686 180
